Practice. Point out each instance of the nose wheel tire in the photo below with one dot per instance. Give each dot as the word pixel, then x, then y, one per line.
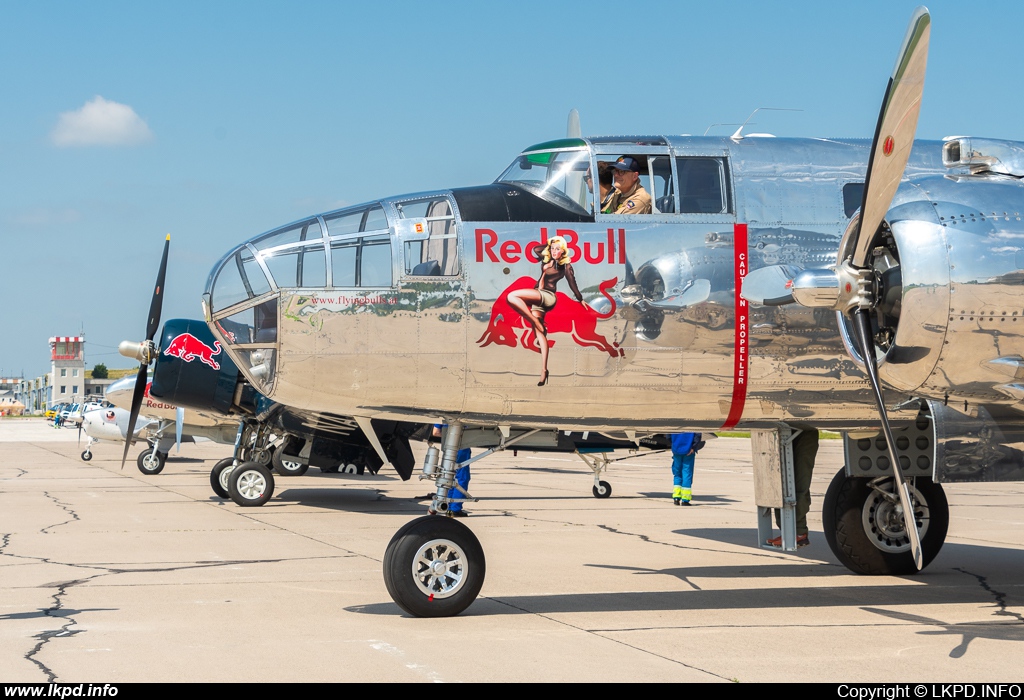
pixel 602 490
pixel 250 484
pixel 87 455
pixel 219 476
pixel 434 567
pixel 287 467
pixel 864 526
pixel 150 463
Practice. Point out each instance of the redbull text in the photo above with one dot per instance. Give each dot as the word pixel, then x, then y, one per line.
pixel 611 251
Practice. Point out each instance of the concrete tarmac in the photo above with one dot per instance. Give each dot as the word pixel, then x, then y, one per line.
pixel 112 576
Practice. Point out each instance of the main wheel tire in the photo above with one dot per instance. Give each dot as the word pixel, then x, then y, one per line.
pixel 250 484
pixel 220 475
pixel 151 464
pixel 867 534
pixel 434 567
pixel 87 455
pixel 602 490
pixel 287 467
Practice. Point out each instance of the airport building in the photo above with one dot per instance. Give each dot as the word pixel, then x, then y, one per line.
pixel 67 381
pixel 9 404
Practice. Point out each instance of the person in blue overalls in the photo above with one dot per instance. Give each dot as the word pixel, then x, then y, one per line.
pixel 461 477
pixel 683 453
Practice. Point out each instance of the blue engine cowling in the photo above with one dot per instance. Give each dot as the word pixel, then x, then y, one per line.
pixel 192 370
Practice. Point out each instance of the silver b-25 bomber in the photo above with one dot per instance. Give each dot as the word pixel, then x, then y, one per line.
pixel 776 280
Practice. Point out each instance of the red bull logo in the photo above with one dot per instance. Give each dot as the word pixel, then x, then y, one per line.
pixel 187 347
pixel 567 316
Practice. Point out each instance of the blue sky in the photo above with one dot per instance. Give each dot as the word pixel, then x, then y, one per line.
pixel 218 121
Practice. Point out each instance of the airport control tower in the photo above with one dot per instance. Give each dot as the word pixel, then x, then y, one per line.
pixel 67 369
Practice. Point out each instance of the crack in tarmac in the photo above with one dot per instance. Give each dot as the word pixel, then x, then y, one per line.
pixel 612 640
pixel 604 634
pixel 66 507
pixel 64 631
pixel 690 548
pixel 998 595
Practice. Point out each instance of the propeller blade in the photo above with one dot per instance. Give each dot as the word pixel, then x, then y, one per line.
pixel 158 294
pixel 894 132
pixel 179 420
pixel 140 391
pixel 862 326
pixel 80 431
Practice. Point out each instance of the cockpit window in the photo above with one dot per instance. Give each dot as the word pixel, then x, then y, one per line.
pixel 438 255
pixel 375 220
pixel 257 324
pixel 360 247
pixel 298 267
pixel 239 279
pixel 305 231
pixel 554 175
pixel 351 222
pixel 361 262
pixel 703 187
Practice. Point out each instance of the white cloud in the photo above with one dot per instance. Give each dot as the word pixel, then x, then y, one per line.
pixel 101 122
pixel 45 217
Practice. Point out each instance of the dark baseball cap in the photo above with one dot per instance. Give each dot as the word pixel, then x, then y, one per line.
pixel 626 163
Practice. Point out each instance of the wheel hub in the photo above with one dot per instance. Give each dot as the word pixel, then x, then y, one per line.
pixel 251 485
pixel 439 568
pixel 883 519
pixel 224 474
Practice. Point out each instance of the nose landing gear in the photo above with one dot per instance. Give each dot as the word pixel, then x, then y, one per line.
pixel 434 566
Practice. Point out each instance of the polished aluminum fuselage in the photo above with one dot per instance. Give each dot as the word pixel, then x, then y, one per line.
pixel 684 351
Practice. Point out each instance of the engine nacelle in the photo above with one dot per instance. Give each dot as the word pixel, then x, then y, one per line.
pixel 191 371
pixel 959 330
pixel 984 155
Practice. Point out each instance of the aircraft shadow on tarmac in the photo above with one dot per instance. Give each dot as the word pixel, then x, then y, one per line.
pixel 1011 630
pixel 952 578
pixel 52 614
pixel 337 499
pixel 703 499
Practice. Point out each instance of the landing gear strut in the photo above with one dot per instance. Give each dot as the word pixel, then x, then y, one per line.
pixel 87 454
pixel 598 463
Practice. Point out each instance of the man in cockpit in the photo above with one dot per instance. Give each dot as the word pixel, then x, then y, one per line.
pixel 629 196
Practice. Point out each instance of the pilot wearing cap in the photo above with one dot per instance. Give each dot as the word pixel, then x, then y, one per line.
pixel 629 196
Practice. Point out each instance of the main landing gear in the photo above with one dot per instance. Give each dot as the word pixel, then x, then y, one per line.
pixel 246 478
pixel 864 526
pixel 435 566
